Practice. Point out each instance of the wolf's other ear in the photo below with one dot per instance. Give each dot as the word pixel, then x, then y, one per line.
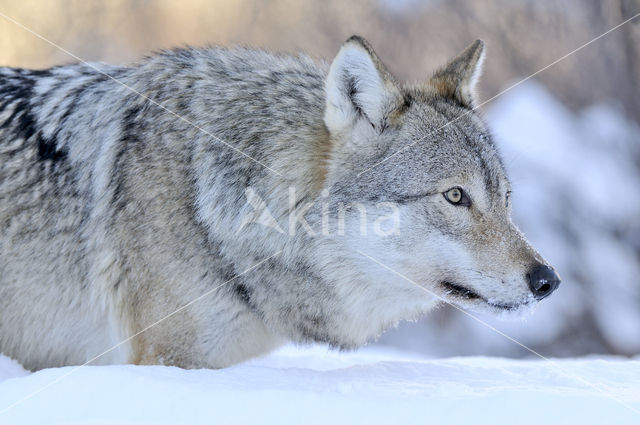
pixel 457 80
pixel 358 87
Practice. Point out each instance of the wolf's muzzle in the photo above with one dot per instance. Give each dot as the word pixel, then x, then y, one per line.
pixel 543 280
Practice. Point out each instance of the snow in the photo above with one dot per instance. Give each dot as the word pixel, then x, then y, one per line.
pixel 315 386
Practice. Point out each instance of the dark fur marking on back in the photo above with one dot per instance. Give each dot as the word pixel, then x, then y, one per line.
pixel 242 292
pixel 18 91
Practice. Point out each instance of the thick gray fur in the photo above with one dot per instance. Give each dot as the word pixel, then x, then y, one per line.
pixel 115 212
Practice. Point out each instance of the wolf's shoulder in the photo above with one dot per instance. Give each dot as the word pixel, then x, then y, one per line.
pixel 236 63
pixel 241 57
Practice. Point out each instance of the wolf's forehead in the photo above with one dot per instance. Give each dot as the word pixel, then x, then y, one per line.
pixel 450 142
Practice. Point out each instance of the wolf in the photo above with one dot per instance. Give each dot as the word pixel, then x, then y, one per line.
pixel 126 235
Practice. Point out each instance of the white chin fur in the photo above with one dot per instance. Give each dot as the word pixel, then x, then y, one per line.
pixel 500 309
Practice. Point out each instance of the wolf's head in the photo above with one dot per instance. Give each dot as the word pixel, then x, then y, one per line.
pixel 422 149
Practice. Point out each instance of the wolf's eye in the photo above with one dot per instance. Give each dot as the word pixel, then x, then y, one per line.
pixel 456 196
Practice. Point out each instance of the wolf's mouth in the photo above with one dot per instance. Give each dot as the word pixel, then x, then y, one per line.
pixel 467 294
pixel 460 291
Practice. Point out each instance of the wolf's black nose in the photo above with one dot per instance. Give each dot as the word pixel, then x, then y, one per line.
pixel 543 280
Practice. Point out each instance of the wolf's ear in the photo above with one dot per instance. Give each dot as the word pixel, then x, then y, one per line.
pixel 358 87
pixel 458 79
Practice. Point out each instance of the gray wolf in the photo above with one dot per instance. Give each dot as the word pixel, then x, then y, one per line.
pixel 115 211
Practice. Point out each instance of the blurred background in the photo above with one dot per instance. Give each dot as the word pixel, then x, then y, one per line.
pixel 570 136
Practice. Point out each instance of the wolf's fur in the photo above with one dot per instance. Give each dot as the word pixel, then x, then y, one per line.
pixel 115 212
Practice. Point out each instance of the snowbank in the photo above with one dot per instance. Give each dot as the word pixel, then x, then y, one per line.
pixel 316 386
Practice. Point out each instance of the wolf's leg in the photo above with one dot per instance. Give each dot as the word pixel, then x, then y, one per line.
pixel 216 331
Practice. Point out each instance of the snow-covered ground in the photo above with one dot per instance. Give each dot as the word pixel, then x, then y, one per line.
pixel 316 386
